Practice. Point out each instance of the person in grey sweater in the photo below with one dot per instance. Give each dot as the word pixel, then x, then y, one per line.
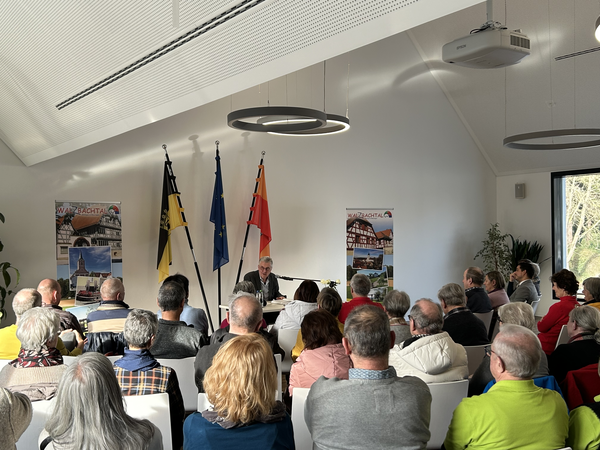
pixel 175 339
pixel 374 408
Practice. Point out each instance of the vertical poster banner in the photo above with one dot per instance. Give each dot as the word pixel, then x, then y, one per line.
pixel 88 248
pixel 370 249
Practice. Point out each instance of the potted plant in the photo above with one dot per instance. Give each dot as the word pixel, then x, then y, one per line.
pixel 6 279
pixel 524 250
pixel 495 252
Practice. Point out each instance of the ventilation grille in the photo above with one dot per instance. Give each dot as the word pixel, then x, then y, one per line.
pixel 520 42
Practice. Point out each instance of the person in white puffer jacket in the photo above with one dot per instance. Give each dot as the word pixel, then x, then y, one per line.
pixel 430 353
pixel 305 301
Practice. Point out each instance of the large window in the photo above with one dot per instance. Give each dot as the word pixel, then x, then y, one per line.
pixel 576 222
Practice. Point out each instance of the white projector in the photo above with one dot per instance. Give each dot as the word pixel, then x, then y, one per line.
pixel 489 49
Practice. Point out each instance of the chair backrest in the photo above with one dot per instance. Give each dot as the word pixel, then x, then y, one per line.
pixel 203 403
pixel 475 354
pixel 486 318
pixel 563 337
pixel 535 304
pixel 445 397
pixel 184 368
pixel 301 434
pixel 155 408
pixel 278 393
pixel 41 412
pixel 4 362
pixel 287 340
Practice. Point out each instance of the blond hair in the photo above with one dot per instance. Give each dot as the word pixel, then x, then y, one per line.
pixel 242 380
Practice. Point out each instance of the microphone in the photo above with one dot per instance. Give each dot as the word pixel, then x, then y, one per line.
pixel 282 277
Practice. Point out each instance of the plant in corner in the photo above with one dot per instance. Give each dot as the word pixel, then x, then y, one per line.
pixel 524 250
pixel 6 279
pixel 495 252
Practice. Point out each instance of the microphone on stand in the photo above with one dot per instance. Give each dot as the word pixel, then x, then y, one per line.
pixel 282 277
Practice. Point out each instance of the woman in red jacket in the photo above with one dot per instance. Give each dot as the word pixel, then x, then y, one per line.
pixel 565 286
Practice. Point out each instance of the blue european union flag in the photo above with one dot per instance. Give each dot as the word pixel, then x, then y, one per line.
pixel 217 216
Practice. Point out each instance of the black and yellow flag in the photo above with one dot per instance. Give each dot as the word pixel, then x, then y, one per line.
pixel 170 218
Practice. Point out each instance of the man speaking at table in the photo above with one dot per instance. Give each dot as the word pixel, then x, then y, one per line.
pixel 264 281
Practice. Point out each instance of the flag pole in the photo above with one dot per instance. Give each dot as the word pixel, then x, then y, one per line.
pixel 187 232
pixel 219 268
pixel 237 279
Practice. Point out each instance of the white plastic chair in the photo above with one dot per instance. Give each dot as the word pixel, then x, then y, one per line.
pixel 445 397
pixel 203 403
pixel 155 408
pixel 563 337
pixel 535 304
pixel 475 354
pixel 287 340
pixel 278 393
pixel 41 412
pixel 302 436
pixel 486 318
pixel 184 368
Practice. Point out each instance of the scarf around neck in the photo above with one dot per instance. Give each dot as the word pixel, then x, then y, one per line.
pixel 277 414
pixel 33 358
pixel 137 360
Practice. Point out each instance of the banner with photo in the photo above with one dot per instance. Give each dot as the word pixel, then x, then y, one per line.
pixel 370 249
pixel 88 248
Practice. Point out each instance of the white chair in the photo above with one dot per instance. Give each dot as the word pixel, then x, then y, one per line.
pixel 301 434
pixel 486 318
pixel 445 397
pixel 287 340
pixel 475 354
pixel 563 337
pixel 4 362
pixel 184 368
pixel 155 408
pixel 41 412
pixel 278 393
pixel 203 403
pixel 535 304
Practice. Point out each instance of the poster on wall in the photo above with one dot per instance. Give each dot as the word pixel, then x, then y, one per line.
pixel 370 249
pixel 88 247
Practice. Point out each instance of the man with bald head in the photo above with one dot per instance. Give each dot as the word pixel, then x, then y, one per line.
pixel 113 311
pixel 514 413
pixel 23 300
pixel 51 296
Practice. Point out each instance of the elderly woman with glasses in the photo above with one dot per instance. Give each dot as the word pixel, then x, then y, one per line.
pixel 519 313
pixel 591 292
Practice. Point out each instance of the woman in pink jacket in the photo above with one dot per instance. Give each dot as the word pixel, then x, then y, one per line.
pixel 323 352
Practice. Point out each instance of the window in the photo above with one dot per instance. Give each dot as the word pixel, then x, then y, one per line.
pixel 576 222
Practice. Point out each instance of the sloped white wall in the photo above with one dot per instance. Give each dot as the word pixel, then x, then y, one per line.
pixel 406 150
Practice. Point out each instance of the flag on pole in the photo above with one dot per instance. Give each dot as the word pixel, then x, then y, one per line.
pixel 217 216
pixel 170 218
pixel 260 214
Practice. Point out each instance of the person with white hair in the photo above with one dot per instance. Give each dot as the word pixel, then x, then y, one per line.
pixel 39 366
pixel 514 413
pixel 264 280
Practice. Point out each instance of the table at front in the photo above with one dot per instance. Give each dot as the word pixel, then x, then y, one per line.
pixel 270 312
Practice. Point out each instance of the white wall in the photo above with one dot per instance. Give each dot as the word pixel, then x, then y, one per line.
pixel 407 150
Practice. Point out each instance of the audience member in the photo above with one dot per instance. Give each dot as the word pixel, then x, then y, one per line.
pixel 242 286
pixel 245 317
pixel 240 385
pixel 514 413
pixel 374 408
pixel 112 312
pixel 51 296
pixel 323 353
pixel 174 339
pixel 264 281
pixel 477 299
pixel 583 347
pixel 430 353
pixel 396 304
pixel 305 301
pixel 138 373
pixel 525 290
pixel 15 411
pixel 195 317
pixel 329 300
pixel 584 426
pixel 519 313
pixel 591 292
pixel 464 327
pixel 565 286
pixel 494 285
pixel 89 412
pixel 39 366
pixel 360 286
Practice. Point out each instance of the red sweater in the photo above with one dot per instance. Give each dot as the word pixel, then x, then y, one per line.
pixel 551 324
pixel 356 301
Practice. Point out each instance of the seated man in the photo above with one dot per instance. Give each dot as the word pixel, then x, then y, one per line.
pixel 464 327
pixel 112 312
pixel 174 339
pixel 525 290
pixel 264 281
pixel 477 299
pixel 195 317
pixel 138 373
pixel 430 353
pixel 374 408
pixel 51 296
pixel 514 413
pixel 360 286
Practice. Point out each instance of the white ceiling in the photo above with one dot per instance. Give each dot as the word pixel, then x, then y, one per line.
pixel 50 51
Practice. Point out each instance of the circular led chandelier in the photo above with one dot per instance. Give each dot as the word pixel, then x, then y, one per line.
pixel 335 124
pixel 519 141
pixel 291 119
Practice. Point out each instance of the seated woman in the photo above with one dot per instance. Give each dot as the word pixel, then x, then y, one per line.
pixel 396 304
pixel 494 284
pixel 241 384
pixel 565 286
pixel 37 370
pixel 305 301
pixel 583 347
pixel 591 292
pixel 89 412
pixel 519 313
pixel 323 352
pixel 584 425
